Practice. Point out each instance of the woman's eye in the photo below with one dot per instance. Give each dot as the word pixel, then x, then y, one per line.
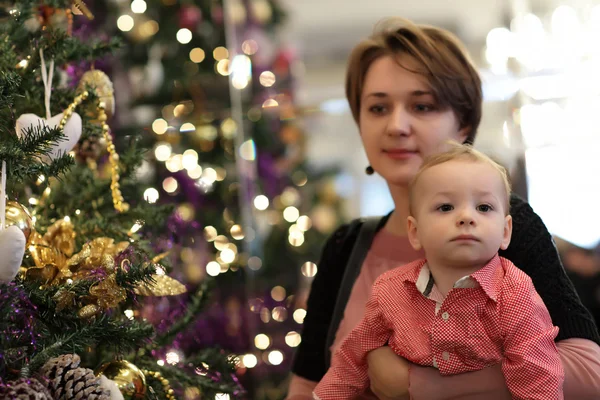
pixel 377 109
pixel 445 208
pixel 484 208
pixel 424 107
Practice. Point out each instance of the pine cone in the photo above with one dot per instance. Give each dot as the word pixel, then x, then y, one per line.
pixel 70 382
pixel 24 389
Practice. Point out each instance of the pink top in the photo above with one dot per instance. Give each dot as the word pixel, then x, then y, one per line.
pixel 580 357
pixel 491 316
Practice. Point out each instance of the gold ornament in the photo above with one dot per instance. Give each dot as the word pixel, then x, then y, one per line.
pixel 88 311
pixel 99 253
pixel 102 85
pixel 163 381
pixel 163 285
pixel 18 215
pixel 130 380
pixel 80 8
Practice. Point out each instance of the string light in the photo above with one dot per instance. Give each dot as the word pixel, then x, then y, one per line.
pixel 184 36
pixel 197 55
pixel 138 6
pixel 261 202
pixel 125 23
pixel 275 357
pixel 299 315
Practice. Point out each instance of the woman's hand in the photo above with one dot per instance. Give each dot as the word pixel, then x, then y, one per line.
pixel 388 374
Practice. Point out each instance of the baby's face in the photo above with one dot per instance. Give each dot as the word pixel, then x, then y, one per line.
pixel 460 213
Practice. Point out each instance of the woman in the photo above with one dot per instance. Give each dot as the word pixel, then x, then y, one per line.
pixel 410 89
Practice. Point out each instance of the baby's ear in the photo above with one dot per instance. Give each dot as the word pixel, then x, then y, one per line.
pixel 413 236
pixel 507 232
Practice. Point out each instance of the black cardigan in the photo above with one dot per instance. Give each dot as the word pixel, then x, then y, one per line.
pixel 531 249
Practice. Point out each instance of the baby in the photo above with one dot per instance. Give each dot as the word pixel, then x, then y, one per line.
pixel 463 308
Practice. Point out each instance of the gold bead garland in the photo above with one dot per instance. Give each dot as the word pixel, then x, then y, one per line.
pixel 164 381
pixel 118 201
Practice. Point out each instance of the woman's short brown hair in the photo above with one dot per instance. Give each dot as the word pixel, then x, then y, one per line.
pixel 445 64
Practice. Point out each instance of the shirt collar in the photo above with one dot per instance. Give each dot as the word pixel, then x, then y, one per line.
pixel 488 278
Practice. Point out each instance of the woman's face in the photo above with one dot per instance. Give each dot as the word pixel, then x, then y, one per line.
pixel 401 121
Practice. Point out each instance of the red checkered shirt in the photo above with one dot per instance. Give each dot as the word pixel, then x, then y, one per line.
pixel 492 316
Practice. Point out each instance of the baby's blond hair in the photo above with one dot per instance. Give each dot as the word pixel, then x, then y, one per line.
pixel 457 151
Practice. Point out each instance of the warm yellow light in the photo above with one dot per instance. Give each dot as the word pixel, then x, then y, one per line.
pixel 309 269
pixel 262 341
pixel 195 172
pixel 228 256
pixel 210 233
pixel 299 315
pixel 170 184
pixel 261 202
pixel 162 152
pixel 151 195
pixel 249 360
pixel 275 357
pixel 209 175
pixel 125 23
pixel 187 127
pixel 184 36
pixel 160 126
pixel 236 232
pixel 291 214
pixel 249 47
pixel 175 163
pixel 213 268
pixel 267 79
pixel 278 293
pixel 138 6
pixel 220 53
pixel 248 150
pixel 223 67
pixel 293 339
pixel 304 223
pixel 190 159
pixel 270 103
pixel 197 55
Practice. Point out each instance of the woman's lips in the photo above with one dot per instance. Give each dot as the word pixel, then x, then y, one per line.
pixel 399 154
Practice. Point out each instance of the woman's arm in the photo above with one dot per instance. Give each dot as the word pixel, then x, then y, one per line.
pixel 532 250
pixel 580 359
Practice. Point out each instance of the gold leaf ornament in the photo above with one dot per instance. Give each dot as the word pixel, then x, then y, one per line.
pixel 102 86
pixel 163 285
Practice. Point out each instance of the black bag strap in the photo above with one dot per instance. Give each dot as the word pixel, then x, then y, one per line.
pixel 355 261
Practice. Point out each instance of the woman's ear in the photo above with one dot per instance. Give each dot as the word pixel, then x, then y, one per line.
pixel 463 134
pixel 413 236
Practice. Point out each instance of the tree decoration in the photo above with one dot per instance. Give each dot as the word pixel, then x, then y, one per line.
pixel 129 378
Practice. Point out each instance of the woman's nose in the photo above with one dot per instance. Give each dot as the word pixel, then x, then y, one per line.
pixel 399 122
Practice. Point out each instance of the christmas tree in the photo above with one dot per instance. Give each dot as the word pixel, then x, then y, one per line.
pixel 84 250
pixel 213 85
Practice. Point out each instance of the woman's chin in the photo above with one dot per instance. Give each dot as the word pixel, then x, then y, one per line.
pixel 400 178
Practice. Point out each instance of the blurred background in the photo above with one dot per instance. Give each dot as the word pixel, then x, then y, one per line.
pixel 242 104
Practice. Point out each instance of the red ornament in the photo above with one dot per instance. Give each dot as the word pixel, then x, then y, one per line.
pixel 189 17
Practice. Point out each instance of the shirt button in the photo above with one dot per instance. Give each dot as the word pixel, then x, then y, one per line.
pixel 445 316
pixel 435 364
pixel 446 356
